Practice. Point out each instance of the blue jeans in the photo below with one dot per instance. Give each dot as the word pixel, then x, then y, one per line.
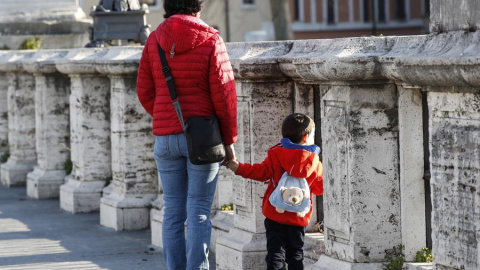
pixel 188 191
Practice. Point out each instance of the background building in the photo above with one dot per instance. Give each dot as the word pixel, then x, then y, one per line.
pixel 351 18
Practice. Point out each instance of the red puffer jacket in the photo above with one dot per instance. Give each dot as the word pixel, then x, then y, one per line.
pixel 299 163
pixel 201 71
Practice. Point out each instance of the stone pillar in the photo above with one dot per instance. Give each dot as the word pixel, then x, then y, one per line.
pixel 21 120
pixel 52 125
pixel 264 99
pixel 3 114
pixel 455 166
pixel 449 15
pixel 89 132
pixel 412 188
pixel 360 148
pixel 360 138
pixel 59 23
pixel 134 183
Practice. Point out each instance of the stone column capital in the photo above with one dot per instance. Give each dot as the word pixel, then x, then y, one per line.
pixel 119 61
pixel 258 61
pixel 43 61
pixel 13 61
pixel 80 61
pixel 344 59
pixel 450 59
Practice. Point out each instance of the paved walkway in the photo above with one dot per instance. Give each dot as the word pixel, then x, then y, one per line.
pixel 38 235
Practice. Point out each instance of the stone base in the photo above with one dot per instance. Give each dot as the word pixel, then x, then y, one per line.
pixel 241 250
pixel 222 222
pixel 328 263
pixel 156 220
pixel 126 213
pixel 418 266
pixel 44 184
pixel 81 197
pixel 14 173
pixel 313 248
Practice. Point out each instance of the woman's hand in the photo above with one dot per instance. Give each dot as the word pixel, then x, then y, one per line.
pixel 233 165
pixel 229 154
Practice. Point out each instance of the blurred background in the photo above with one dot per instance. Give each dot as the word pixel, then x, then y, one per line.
pixel 55 24
pixel 251 20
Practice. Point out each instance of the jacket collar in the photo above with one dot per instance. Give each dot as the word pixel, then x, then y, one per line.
pixel 286 143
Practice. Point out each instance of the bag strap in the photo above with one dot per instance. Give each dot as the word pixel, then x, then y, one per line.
pixel 273 182
pixel 171 87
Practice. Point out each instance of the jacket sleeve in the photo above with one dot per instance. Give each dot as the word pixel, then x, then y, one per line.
pixel 316 185
pixel 145 82
pixel 223 93
pixel 260 171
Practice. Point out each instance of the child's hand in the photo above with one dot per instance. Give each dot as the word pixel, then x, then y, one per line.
pixel 233 165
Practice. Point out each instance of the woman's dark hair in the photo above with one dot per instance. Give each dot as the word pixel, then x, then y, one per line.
pixel 296 125
pixel 188 7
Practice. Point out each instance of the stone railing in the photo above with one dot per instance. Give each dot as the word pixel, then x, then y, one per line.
pixel 368 96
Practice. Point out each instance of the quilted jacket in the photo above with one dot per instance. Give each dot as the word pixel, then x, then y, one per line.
pixel 299 163
pixel 201 71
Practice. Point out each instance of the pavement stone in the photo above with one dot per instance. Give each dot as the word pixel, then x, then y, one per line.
pixel 38 235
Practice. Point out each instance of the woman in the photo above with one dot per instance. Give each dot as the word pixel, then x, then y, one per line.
pixel 204 83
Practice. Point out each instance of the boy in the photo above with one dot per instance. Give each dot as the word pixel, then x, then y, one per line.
pixel 298 155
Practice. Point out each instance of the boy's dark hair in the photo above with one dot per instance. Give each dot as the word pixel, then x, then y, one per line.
pixel 296 125
pixel 188 7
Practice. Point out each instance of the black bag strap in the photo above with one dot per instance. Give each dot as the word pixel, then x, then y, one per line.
pixel 171 86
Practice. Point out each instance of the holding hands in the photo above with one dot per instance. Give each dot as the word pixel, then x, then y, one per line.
pixel 230 160
pixel 232 165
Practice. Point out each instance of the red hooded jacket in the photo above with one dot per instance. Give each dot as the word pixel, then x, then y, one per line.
pixel 305 164
pixel 201 71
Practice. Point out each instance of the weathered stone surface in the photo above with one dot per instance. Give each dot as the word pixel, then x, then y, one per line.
pixel 90 142
pixel 52 123
pixel 21 119
pixel 258 61
pixel 89 131
pixel 261 109
pixel 3 114
pixel 449 15
pixel 418 266
pixel 274 79
pixel 330 263
pixel 360 138
pixel 240 249
pixel 80 61
pixel 134 184
pixel 449 59
pixel 412 188
pixel 455 167
pixel 156 221
pixel 334 59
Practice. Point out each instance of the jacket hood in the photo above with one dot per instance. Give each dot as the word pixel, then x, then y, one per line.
pixel 185 31
pixel 297 159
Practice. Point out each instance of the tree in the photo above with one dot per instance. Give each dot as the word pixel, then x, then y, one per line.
pixel 281 19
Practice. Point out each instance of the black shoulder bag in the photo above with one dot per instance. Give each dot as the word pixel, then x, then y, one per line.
pixel 204 139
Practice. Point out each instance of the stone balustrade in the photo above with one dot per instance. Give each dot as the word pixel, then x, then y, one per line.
pixel 376 101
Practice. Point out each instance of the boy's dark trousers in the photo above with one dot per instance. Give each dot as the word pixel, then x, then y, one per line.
pixel 284 243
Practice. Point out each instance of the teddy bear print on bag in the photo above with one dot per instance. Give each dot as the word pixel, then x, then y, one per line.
pixel 292 194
